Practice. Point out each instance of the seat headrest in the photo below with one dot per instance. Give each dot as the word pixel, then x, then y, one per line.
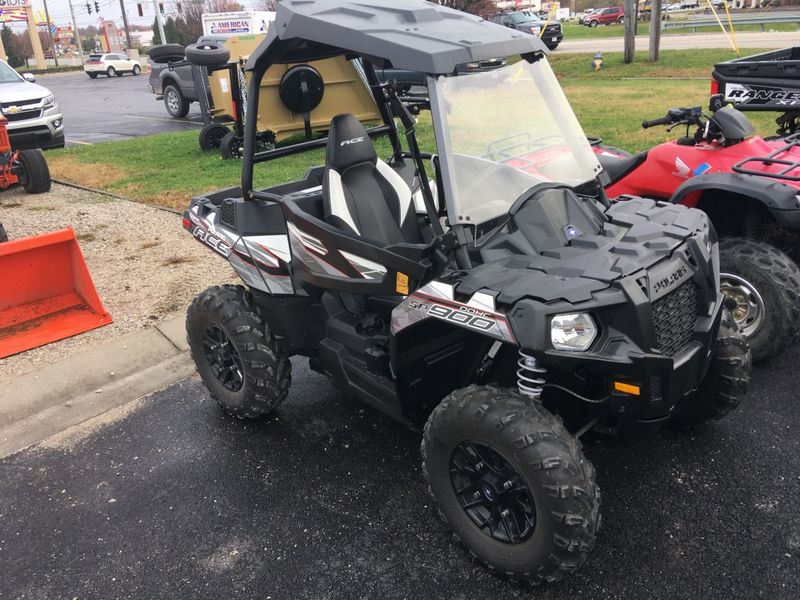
pixel 348 144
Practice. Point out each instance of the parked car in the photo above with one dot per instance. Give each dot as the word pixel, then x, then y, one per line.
pixel 522 21
pixel 110 65
pixel 34 117
pixel 605 16
pixel 406 79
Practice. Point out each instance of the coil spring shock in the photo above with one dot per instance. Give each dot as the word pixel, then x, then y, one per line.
pixel 530 376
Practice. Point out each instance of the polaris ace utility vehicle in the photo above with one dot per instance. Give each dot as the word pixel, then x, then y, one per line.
pixel 488 296
pixel 750 189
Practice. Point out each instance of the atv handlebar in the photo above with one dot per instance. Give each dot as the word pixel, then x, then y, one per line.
pixel 676 116
pixel 655 122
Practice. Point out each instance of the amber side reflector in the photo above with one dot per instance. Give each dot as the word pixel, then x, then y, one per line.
pixel 401 283
pixel 627 388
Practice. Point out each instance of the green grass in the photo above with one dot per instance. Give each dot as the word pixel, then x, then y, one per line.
pixel 167 169
pixel 672 63
pixel 573 31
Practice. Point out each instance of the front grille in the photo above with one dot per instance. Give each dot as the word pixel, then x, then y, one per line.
pixel 674 318
pixel 22 104
pixel 24 116
pixel 554 29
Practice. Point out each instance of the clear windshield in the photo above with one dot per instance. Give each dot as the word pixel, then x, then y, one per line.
pixel 504 131
pixel 7 74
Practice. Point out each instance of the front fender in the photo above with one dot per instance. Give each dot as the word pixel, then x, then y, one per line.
pixel 781 199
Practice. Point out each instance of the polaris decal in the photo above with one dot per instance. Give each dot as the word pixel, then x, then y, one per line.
pixel 757 95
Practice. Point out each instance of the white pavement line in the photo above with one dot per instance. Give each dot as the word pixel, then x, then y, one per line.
pixel 168 119
pixel 60 417
pixel 80 142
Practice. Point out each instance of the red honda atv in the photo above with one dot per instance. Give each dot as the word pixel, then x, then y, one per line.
pixel 750 188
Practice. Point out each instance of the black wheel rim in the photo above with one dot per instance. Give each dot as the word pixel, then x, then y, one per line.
pixel 492 492
pixel 215 136
pixel 223 358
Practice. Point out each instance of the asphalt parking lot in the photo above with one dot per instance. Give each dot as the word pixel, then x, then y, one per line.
pixel 171 499
pixel 103 109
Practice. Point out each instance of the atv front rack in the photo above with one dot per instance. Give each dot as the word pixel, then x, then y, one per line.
pixel 791 167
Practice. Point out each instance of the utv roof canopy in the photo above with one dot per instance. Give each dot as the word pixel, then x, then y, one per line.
pixel 416 35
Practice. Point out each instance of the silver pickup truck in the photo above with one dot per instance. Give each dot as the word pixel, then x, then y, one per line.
pixel 34 117
pixel 174 84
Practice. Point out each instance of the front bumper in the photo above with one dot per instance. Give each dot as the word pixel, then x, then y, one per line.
pixel 552 40
pixel 663 380
pixel 45 131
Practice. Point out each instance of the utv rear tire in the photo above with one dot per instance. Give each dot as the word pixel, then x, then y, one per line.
pixel 726 382
pixel 765 283
pixel 211 136
pixel 259 368
pixel 35 178
pixel 550 474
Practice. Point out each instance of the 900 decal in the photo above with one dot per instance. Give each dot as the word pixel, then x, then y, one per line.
pixel 463 315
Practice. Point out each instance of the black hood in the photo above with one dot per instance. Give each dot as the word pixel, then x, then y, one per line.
pixel 561 247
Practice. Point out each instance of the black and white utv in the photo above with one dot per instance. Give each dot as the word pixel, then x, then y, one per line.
pixel 487 296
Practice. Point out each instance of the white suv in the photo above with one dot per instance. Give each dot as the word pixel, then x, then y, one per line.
pixel 34 117
pixel 110 65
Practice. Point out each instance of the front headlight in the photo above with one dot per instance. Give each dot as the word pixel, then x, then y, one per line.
pixel 572 331
pixel 49 101
pixel 536 30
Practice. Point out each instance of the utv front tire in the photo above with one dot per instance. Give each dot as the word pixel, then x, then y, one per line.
pixel 765 284
pixel 243 366
pixel 726 382
pixel 512 483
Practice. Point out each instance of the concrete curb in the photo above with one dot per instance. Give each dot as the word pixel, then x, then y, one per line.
pixel 78 186
pixel 47 401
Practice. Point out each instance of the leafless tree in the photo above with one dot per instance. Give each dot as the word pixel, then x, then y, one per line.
pixel 482 8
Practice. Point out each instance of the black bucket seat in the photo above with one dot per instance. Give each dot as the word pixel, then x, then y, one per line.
pixel 362 195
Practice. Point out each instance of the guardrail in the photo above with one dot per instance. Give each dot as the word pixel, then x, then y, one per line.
pixel 762 20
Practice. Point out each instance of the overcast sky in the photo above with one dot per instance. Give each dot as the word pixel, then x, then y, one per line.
pixel 109 10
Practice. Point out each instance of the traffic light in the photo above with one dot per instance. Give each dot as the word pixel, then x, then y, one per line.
pixel 161 8
pixel 89 8
pixel 97 6
pixel 178 6
pixel 140 9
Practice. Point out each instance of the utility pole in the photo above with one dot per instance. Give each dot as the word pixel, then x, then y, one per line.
pixel 630 31
pixel 50 33
pixel 655 29
pixel 160 23
pixel 125 22
pixel 77 32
